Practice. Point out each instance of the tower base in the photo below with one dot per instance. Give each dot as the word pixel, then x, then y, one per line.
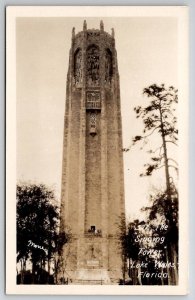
pixel 92 276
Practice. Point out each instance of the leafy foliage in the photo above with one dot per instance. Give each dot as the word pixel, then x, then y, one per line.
pixel 38 220
pixel 165 207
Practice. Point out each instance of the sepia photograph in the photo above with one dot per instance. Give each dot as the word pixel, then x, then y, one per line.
pixel 97 105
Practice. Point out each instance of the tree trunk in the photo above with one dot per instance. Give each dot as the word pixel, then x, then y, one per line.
pixel 22 271
pixel 162 280
pixel 129 264
pixel 48 262
pixel 33 271
pixel 168 269
pixel 124 268
pixel 171 255
pixel 56 270
pixel 175 260
pixel 165 154
pixel 174 271
pixel 139 272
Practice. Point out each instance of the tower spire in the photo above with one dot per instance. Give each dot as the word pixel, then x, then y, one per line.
pixel 84 25
pixel 73 32
pixel 101 25
pixel 112 30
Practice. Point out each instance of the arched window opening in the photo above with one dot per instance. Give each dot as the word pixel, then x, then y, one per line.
pixel 108 66
pixel 78 66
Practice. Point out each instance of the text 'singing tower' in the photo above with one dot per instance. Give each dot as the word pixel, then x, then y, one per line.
pixel 92 171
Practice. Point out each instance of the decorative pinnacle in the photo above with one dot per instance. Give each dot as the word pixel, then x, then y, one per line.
pixel 112 30
pixel 84 25
pixel 73 32
pixel 101 25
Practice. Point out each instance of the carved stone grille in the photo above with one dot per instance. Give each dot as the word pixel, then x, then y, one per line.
pixel 93 100
pixel 93 77
pixel 93 129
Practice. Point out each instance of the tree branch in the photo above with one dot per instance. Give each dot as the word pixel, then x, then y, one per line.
pixel 171 142
pixel 159 148
pixel 151 132
pixel 160 167
pixel 173 161
pixel 171 166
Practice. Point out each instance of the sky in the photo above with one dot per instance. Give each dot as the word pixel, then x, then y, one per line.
pixel 147 51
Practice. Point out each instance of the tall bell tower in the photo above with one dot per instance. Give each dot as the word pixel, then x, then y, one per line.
pixel 92 195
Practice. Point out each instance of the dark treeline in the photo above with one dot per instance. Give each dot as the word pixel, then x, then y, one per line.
pixel 39 238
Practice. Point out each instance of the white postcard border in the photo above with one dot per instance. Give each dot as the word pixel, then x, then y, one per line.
pixel 94 11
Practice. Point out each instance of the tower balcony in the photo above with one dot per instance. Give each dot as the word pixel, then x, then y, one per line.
pixel 93 233
pixel 93 105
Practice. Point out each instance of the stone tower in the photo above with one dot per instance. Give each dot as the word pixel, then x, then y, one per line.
pixel 92 196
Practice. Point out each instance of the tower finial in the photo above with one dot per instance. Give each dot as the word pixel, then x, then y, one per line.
pixel 84 25
pixel 112 30
pixel 101 25
pixel 73 32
